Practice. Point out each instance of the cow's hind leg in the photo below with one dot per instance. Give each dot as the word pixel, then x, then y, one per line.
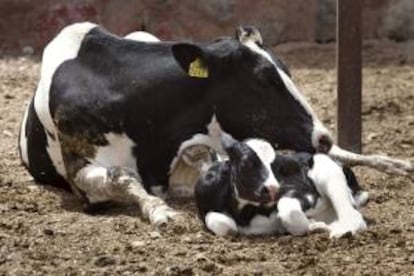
pixel 100 184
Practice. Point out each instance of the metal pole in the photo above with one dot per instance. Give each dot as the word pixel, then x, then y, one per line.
pixel 349 72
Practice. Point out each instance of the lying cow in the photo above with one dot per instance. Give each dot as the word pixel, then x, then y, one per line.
pixel 256 192
pixel 111 116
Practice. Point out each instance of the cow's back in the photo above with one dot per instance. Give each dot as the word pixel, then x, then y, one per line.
pixel 99 98
pixel 39 146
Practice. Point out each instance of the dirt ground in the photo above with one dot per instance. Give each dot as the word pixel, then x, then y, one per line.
pixel 44 231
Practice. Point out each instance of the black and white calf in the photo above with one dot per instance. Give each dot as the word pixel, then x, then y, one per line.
pixel 111 116
pixel 258 192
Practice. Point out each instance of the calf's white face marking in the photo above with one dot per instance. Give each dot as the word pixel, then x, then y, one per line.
pixel 267 155
pixel 63 47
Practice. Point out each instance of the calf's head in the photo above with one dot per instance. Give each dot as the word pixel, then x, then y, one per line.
pixel 250 169
pixel 252 92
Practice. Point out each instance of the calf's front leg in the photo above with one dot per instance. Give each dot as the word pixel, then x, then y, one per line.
pixel 220 224
pixel 292 217
pixel 122 185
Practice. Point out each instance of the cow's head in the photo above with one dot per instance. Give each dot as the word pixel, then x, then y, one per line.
pixel 250 169
pixel 252 92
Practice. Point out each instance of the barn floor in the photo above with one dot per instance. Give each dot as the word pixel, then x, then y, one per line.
pixel 43 231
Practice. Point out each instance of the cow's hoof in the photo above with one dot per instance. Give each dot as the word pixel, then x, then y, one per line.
pixel 352 225
pixel 163 215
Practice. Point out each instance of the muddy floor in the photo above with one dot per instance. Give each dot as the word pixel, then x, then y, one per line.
pixel 44 231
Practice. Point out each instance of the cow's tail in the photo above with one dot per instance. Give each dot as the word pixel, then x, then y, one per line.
pixel 381 163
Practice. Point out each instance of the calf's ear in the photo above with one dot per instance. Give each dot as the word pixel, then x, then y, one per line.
pixel 228 141
pixel 191 59
pixel 234 148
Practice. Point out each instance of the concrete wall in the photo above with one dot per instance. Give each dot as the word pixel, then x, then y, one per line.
pixel 393 19
pixel 30 24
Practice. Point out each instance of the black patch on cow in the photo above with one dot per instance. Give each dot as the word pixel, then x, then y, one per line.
pixel 244 216
pixel 248 173
pixel 213 190
pixel 291 172
pixel 351 180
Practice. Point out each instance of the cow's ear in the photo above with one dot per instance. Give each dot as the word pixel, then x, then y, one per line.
pixel 249 33
pixel 192 59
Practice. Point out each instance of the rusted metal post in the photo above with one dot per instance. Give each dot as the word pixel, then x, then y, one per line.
pixel 349 72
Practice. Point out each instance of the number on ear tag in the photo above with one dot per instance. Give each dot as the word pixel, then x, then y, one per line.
pixel 197 69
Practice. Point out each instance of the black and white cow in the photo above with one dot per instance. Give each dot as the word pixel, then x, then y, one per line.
pixel 257 192
pixel 111 116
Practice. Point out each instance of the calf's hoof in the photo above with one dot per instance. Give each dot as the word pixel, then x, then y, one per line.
pixel 351 225
pixel 318 227
pixel 163 215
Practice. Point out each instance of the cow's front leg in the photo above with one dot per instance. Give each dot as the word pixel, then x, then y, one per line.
pixel 331 182
pixel 122 185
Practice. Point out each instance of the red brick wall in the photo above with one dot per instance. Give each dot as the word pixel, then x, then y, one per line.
pixel 34 22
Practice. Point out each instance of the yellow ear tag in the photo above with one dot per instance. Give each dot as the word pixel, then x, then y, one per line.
pixel 197 69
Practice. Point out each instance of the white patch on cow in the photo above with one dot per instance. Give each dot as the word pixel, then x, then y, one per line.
pixel 292 217
pixel 220 224
pixel 330 182
pixel 23 138
pixel 142 36
pixel 267 155
pixel 318 128
pixel 118 152
pixel 93 180
pixel 361 198
pixel 63 47
pixel 262 225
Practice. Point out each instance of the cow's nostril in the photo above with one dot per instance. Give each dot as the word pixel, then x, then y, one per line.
pixel 324 143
